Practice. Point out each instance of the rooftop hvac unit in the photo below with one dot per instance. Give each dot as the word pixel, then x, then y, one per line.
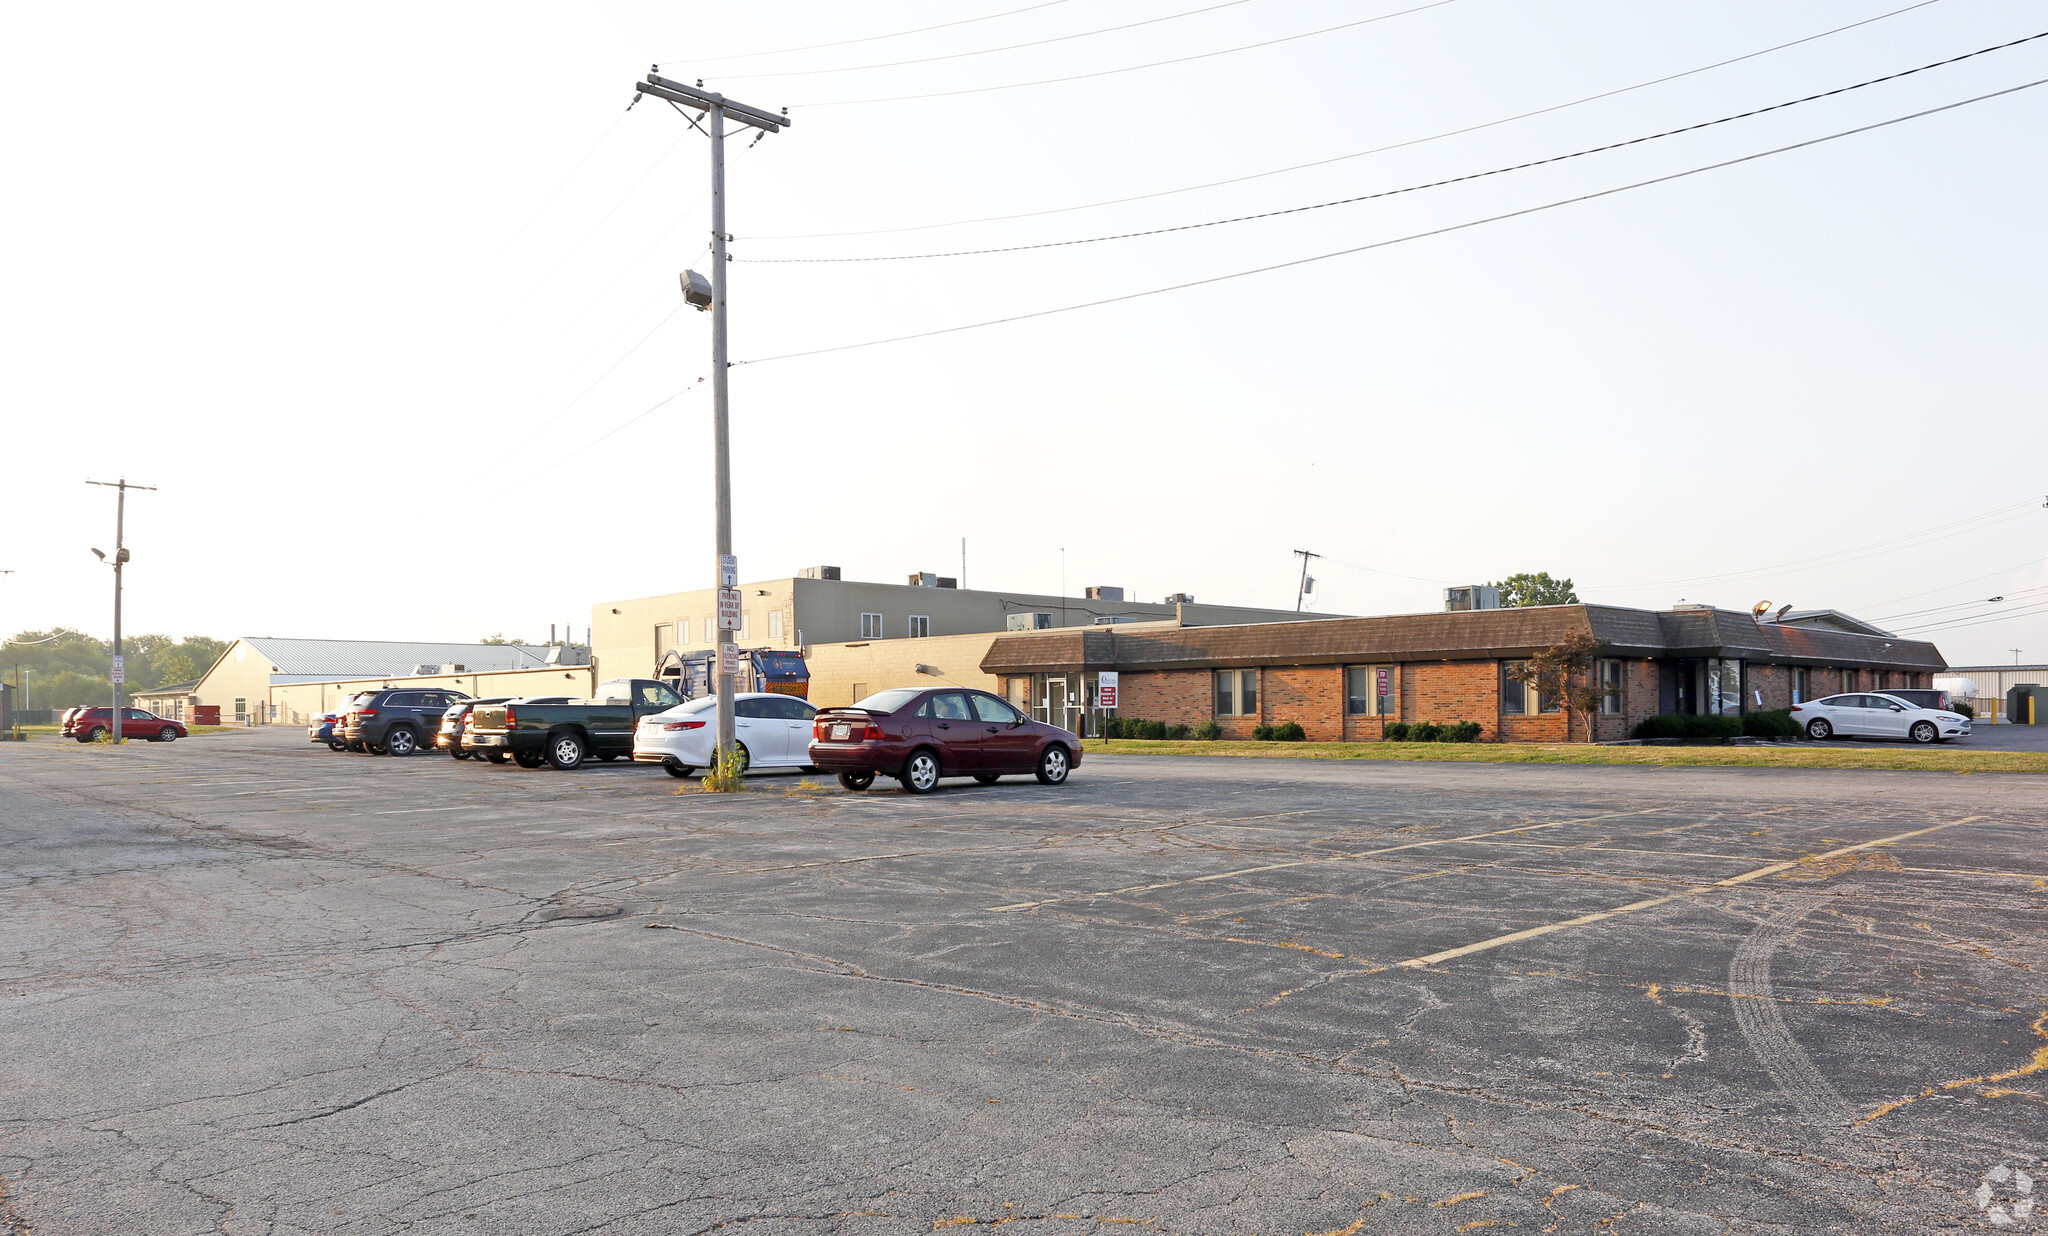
pixel 450 667
pixel 818 572
pixel 1469 597
pixel 947 581
pixel 1102 592
pixel 925 579
pixel 1110 620
pixel 1030 622
pixel 1181 598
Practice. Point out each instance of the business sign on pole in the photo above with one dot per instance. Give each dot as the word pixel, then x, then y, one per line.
pixel 728 571
pixel 1105 689
pixel 120 674
pixel 1385 684
pixel 728 660
pixel 728 609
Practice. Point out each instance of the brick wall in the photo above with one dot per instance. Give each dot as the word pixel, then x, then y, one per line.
pixel 1310 694
pixel 1446 691
pixel 1172 696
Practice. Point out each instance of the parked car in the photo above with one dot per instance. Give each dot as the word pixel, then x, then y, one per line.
pixel 773 731
pixel 455 720
pixel 1878 716
pixel 920 734
pixel 326 727
pixel 87 724
pixel 534 732
pixel 396 720
pixel 1937 700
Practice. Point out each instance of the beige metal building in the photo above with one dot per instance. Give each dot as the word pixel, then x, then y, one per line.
pixel 1993 681
pixel 817 608
pixel 241 682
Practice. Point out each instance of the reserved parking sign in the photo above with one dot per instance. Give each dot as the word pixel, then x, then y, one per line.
pixel 1105 689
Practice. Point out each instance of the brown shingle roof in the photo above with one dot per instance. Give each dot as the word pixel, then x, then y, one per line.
pixel 1485 634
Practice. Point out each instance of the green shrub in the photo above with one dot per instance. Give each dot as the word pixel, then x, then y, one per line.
pixel 1209 731
pixel 1776 723
pixel 1289 731
pixel 1427 731
pixel 1688 725
pixel 1262 732
pixel 1112 727
pixel 1963 709
pixel 1154 730
pixel 1395 731
pixel 1177 733
pixel 1463 731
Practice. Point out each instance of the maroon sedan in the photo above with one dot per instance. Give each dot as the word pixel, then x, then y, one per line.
pixel 919 734
pixel 87 724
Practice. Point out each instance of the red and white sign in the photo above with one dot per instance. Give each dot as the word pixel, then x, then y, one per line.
pixel 728 609
pixel 1105 689
pixel 728 660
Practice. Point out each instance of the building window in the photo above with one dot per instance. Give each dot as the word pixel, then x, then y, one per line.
pixel 1513 691
pixel 920 625
pixel 1237 693
pixel 860 692
pixel 241 710
pixel 1802 678
pixel 746 624
pixel 710 629
pixel 774 624
pixel 1369 690
pixel 664 640
pixel 682 632
pixel 871 626
pixel 1610 688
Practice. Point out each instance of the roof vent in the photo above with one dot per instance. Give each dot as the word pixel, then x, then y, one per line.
pixel 1102 592
pixel 818 572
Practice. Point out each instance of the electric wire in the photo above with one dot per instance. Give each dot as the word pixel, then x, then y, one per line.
pixel 564 182
pixel 1382 244
pixel 1353 566
pixel 1385 193
pixel 1357 154
pixel 2027 611
pixel 2033 561
pixel 614 432
pixel 986 51
pixel 1938 609
pixel 872 38
pixel 564 409
pixel 1132 68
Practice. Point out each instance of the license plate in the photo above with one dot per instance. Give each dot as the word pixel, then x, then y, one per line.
pixel 839 732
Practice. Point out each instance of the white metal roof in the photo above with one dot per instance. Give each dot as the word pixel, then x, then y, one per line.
pixel 308 660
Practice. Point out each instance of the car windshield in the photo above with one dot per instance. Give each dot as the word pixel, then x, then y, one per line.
pixel 889 701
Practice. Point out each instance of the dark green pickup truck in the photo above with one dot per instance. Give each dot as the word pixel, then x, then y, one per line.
pixel 567 734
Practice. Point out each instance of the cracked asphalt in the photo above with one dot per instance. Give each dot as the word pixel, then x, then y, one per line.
pixel 251 986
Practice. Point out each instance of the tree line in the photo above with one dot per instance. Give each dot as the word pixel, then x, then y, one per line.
pixel 63 668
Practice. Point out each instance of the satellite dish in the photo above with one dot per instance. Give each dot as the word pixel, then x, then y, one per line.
pixel 1782 611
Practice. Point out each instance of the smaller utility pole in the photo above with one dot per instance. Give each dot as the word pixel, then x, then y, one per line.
pixel 2015 655
pixel 1301 590
pixel 119 673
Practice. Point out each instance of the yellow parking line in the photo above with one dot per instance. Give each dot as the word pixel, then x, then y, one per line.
pixel 1532 932
pixel 1310 862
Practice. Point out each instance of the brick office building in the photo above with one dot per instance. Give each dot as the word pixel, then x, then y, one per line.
pixel 1346 678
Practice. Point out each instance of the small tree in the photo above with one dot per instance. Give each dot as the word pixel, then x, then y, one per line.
pixel 1562 671
pixel 1537 589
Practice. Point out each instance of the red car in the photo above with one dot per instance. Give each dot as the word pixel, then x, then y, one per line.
pixel 86 724
pixel 920 734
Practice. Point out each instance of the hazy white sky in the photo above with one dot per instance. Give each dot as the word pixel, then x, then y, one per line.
pixel 305 269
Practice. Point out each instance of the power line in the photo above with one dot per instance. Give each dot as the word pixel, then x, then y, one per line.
pixel 2033 561
pixel 1385 193
pixel 2027 611
pixel 1356 154
pixel 1937 609
pixel 987 51
pixel 566 178
pixel 1133 68
pixel 564 409
pixel 658 406
pixel 872 38
pixel 1382 244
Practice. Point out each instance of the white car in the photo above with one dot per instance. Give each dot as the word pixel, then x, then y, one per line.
pixel 774 731
pixel 1878 716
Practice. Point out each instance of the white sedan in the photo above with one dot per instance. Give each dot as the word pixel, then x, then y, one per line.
pixel 774 731
pixel 1878 716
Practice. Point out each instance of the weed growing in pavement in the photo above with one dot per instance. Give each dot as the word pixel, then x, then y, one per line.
pixel 725 776
pixel 805 788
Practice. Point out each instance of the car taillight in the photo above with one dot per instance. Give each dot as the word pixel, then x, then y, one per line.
pixel 1797 708
pixel 872 734
pixel 510 716
pixel 683 725
pixel 366 712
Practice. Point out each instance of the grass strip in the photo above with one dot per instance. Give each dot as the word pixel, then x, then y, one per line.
pixel 1915 759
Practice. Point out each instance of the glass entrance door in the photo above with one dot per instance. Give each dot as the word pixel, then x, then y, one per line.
pixel 1056 700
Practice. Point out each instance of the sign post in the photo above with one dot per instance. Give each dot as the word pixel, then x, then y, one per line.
pixel 1105 689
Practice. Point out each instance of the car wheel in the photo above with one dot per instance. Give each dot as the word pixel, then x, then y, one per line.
pixel 93 734
pixel 400 741
pixel 565 751
pixel 455 752
pixel 1819 730
pixel 167 734
pixel 495 757
pixel 987 778
pixel 1925 732
pixel 1052 766
pixel 528 759
pixel 336 746
pixel 677 769
pixel 857 781
pixel 920 772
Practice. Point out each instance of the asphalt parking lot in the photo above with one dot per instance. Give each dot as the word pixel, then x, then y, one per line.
pixel 254 986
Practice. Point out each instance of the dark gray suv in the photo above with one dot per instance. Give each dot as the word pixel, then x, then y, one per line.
pixel 397 720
